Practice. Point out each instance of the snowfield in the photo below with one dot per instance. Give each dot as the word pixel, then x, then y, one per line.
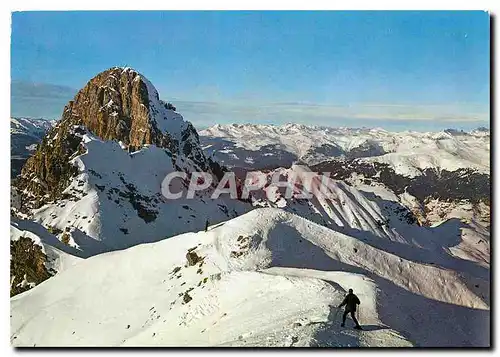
pixel 266 278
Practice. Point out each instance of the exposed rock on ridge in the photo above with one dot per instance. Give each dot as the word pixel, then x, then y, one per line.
pixel 117 104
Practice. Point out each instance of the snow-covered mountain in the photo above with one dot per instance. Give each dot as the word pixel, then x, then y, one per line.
pixel 255 146
pixel 426 173
pixel 99 257
pixel 35 127
pixel 266 278
pixel 95 180
pixel 25 134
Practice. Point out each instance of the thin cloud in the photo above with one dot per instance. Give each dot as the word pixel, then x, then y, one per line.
pixel 210 113
pixel 48 100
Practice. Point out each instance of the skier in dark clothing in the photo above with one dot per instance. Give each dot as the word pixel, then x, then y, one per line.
pixel 350 302
pixel 206 225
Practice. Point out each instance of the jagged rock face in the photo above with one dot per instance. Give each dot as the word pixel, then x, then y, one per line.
pixel 47 172
pixel 117 104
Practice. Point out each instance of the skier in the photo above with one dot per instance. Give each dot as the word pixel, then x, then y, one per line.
pixel 350 302
pixel 206 225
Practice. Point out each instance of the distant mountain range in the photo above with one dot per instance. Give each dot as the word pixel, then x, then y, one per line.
pixel 253 146
pixel 25 135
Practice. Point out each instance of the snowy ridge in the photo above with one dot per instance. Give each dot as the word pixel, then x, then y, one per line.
pixel 266 278
pixel 168 121
pixel 375 215
pixel 115 201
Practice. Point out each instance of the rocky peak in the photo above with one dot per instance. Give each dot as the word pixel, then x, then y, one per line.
pixel 114 105
pixel 118 104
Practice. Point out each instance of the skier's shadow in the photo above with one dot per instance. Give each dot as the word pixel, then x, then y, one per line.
pixel 372 327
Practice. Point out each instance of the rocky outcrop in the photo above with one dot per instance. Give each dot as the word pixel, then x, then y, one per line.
pixel 118 104
pixel 27 265
pixel 114 105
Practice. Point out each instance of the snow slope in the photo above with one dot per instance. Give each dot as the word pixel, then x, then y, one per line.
pixel 171 123
pixel 266 278
pixel 409 152
pixel 115 201
pixel 375 214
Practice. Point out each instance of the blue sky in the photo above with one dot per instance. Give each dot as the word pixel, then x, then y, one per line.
pixel 397 70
